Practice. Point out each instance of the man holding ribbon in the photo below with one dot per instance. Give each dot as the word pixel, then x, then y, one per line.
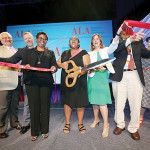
pixel 128 81
pixel 9 92
pixel 29 41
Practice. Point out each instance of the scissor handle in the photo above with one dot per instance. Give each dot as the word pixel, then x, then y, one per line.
pixel 75 70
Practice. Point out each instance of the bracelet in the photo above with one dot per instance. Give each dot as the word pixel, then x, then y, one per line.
pixel 117 34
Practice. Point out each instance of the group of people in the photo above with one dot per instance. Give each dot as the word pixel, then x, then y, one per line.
pixel 38 85
pixel 93 87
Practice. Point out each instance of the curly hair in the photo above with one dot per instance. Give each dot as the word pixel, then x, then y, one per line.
pixel 41 32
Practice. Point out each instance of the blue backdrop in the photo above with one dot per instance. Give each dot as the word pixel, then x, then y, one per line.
pixel 59 35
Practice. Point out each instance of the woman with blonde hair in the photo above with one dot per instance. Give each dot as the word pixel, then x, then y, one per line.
pixel 98 85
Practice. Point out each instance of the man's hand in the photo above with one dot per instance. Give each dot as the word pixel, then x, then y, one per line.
pixel 140 35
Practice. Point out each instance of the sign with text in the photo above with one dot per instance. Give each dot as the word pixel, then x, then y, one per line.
pixel 60 33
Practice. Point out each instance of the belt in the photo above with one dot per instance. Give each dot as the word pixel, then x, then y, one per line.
pixel 19 76
pixel 128 69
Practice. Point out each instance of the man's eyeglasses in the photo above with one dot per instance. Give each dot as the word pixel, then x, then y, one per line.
pixel 5 38
pixel 40 38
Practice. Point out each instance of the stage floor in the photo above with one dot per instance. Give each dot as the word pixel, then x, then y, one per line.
pixel 91 140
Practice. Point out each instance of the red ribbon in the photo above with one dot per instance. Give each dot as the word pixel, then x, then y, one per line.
pixel 25 67
pixel 138 24
pixel 55 91
pixel 128 24
pixel 147 69
pixel 30 68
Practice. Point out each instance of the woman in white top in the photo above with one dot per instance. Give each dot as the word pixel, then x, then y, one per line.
pixel 98 85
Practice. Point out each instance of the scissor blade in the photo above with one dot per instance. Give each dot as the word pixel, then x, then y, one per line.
pixel 98 64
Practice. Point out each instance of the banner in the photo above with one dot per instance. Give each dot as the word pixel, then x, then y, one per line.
pixel 60 33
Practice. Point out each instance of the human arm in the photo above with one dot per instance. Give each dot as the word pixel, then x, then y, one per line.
pixel 132 39
pixel 53 62
pixel 138 37
pixel 86 61
pixel 24 58
pixel 14 58
pixel 117 36
pixel 114 44
pixel 63 65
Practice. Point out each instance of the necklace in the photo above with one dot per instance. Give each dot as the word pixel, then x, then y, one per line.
pixel 40 54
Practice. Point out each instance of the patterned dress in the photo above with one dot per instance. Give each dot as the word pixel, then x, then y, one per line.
pixel 98 87
pixel 146 91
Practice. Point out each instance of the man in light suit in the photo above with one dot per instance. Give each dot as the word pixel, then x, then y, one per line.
pixel 29 41
pixel 128 83
pixel 8 81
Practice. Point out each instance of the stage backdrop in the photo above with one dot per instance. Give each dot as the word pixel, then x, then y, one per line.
pixel 59 35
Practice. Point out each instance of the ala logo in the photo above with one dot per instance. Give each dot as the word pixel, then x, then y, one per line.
pixel 19 34
pixel 80 31
pixel 56 51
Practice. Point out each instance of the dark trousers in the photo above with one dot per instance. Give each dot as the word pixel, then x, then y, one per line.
pixel 13 97
pixel 3 112
pixel 39 105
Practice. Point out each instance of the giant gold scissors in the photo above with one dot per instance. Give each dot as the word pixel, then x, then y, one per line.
pixel 78 70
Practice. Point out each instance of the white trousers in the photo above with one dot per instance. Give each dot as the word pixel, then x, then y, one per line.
pixel 131 88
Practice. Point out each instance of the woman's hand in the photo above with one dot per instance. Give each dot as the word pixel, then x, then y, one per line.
pixel 64 65
pixel 71 75
pixel 53 69
pixel 27 65
pixel 101 68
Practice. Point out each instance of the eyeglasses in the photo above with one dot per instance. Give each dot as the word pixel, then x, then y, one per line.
pixel 5 38
pixel 40 38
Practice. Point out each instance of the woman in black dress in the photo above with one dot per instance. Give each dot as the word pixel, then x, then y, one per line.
pixel 39 85
pixel 76 96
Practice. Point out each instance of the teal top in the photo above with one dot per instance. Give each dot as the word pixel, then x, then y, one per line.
pixel 98 87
